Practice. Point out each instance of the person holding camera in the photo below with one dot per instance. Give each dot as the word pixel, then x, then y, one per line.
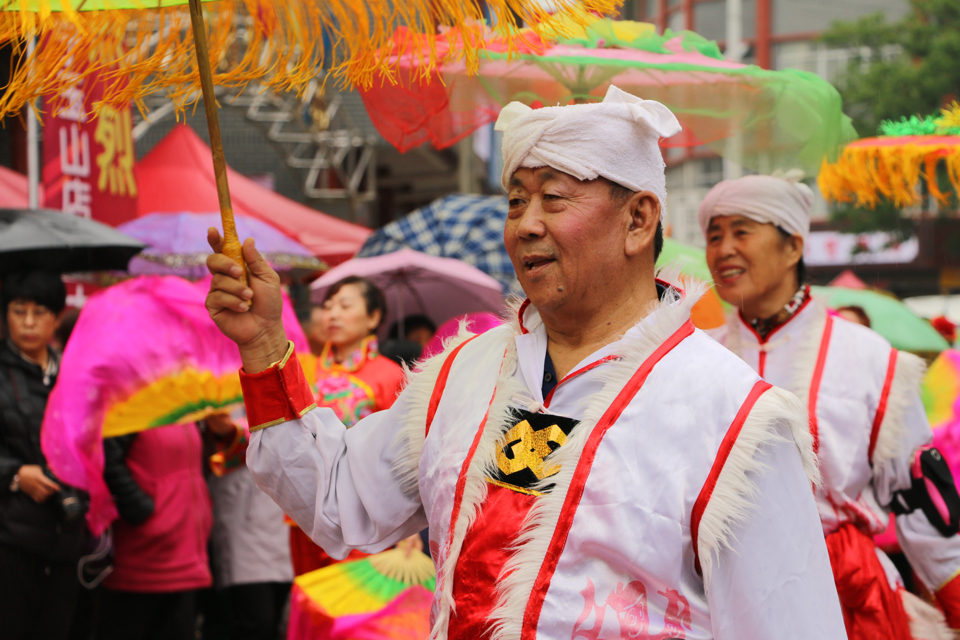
pixel 42 530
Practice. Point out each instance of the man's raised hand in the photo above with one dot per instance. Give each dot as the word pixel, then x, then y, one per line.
pixel 250 315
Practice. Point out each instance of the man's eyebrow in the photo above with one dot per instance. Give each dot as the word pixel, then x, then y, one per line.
pixel 540 178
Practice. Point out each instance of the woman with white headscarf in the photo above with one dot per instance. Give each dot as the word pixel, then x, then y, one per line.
pixel 870 431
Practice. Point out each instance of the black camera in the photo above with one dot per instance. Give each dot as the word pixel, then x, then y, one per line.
pixel 72 503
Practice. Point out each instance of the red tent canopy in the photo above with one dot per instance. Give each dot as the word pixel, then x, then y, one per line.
pixel 177 176
pixel 13 190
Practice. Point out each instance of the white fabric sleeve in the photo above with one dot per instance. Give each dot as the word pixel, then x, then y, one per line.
pixel 935 559
pixel 338 484
pixel 775 580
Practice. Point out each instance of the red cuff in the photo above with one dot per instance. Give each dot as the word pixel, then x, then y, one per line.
pixel 949 598
pixel 278 394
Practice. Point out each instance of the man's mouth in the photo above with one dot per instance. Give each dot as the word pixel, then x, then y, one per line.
pixel 536 263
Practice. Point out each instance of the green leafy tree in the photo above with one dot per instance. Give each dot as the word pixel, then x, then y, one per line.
pixel 911 67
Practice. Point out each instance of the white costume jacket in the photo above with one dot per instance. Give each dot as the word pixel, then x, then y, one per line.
pixel 679 506
pixel 864 407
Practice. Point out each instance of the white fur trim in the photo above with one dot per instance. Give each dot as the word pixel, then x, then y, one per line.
pixel 733 495
pixel 418 388
pixel 903 393
pixel 520 572
pixel 926 621
pixel 805 357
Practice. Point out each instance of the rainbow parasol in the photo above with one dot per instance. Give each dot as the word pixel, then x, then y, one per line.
pixel 382 597
pixel 892 165
pixel 778 118
pixel 941 399
pixel 144 354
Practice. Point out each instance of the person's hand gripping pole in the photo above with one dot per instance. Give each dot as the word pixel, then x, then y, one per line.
pixel 248 312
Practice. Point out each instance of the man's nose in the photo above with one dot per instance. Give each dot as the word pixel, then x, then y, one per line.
pixel 531 223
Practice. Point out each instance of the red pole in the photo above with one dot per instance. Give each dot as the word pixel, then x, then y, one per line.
pixel 688 15
pixel 662 15
pixel 763 33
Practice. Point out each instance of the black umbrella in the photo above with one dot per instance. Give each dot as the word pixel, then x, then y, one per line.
pixel 61 242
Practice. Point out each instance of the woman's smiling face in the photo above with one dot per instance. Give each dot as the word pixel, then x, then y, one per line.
pixel 751 261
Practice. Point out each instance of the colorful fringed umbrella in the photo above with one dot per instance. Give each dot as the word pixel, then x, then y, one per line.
pixel 782 118
pixel 144 353
pixel 892 165
pixel 140 48
pixel 941 398
pixel 382 597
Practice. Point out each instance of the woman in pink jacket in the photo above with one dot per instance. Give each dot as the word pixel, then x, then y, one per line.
pixel 160 539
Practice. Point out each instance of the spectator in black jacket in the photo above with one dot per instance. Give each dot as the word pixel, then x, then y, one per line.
pixel 42 530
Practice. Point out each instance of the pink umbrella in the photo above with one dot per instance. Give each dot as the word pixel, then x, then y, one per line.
pixel 415 283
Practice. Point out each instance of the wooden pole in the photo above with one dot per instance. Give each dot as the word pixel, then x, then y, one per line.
pixel 231 243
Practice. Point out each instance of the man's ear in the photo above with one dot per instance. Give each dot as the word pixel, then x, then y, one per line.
pixel 644 209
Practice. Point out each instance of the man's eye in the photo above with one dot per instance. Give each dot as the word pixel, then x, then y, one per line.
pixel 515 202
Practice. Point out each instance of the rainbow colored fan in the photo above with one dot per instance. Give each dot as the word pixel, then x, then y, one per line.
pixel 144 354
pixel 381 597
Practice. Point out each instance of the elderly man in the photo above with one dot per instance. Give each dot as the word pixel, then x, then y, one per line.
pixel 595 468
pixel 869 427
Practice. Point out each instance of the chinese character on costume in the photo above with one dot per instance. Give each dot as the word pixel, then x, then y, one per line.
pixel 659 489
pixel 870 432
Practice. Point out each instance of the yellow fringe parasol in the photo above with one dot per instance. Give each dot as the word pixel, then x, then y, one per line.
pixel 892 166
pixel 143 48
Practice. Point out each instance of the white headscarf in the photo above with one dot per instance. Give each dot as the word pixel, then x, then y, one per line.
pixel 617 139
pixel 781 200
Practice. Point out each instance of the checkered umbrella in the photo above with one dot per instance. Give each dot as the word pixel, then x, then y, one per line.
pixel 465 227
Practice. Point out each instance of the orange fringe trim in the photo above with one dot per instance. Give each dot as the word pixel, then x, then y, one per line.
pixel 864 174
pixel 282 43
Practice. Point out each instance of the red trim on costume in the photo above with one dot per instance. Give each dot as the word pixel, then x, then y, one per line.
pixel 531 616
pixel 441 384
pixel 948 597
pixel 569 376
pixel 725 448
pixel 278 394
pixel 462 482
pixel 815 383
pixel 523 309
pixel 683 294
pixel 882 405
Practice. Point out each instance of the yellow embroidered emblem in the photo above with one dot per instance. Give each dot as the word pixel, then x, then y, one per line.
pixel 529 448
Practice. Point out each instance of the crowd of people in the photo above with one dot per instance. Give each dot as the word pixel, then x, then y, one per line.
pixel 593 467
pixel 196 546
